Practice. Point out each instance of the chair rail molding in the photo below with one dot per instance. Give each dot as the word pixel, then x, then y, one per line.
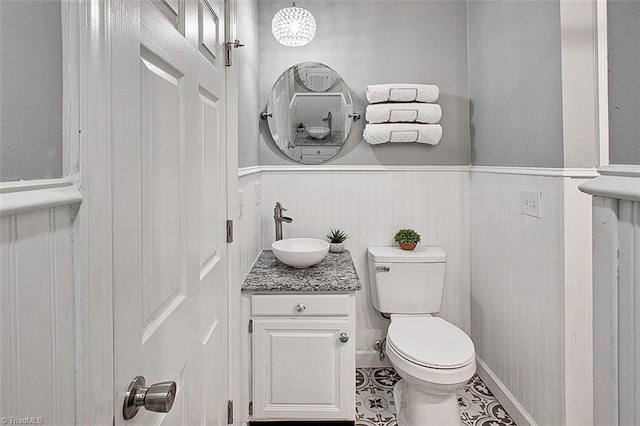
pixel 24 196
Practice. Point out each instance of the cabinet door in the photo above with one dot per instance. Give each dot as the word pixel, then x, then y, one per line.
pixel 302 370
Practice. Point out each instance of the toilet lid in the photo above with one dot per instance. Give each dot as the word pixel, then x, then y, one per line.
pixel 430 341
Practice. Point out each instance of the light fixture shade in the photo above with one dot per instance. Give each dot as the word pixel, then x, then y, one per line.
pixel 293 26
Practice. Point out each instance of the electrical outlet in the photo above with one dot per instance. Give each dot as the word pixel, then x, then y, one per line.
pixel 258 189
pixel 531 203
pixel 240 203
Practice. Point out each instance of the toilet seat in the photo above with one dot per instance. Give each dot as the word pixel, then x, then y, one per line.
pixel 430 342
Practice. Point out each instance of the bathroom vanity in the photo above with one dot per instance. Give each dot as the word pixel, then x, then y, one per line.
pixel 301 339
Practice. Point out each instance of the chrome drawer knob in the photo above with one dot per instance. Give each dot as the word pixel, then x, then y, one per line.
pixel 344 337
pixel 301 307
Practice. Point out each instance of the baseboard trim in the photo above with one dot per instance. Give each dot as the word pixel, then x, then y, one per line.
pixel 506 398
pixel 370 359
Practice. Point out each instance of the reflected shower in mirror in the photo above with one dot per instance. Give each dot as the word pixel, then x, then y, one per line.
pixel 310 112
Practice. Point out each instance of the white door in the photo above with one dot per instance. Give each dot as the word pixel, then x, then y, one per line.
pixel 169 205
pixel 301 369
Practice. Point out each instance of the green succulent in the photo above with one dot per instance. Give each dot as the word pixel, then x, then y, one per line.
pixel 407 236
pixel 337 235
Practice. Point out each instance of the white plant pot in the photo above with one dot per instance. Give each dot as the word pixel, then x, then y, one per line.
pixel 336 247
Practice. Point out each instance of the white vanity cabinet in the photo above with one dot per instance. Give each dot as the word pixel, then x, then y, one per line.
pixel 303 356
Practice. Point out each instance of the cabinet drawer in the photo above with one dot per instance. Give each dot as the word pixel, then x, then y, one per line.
pixel 302 304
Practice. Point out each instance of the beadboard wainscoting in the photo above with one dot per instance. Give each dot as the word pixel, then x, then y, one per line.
pixel 371 204
pixel 531 293
pixel 248 225
pixel 616 237
pixel 38 334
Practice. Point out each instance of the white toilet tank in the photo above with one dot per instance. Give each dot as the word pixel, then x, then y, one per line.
pixel 407 282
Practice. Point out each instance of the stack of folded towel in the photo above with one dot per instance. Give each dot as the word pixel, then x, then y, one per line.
pixel 407 114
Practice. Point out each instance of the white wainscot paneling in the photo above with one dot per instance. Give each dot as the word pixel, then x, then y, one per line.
pixel 531 295
pixel 517 289
pixel 37 333
pixel 248 226
pixel 371 206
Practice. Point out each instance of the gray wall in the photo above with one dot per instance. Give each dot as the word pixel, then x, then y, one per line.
pixel 624 81
pixel 31 90
pixel 369 42
pixel 515 83
pixel 248 94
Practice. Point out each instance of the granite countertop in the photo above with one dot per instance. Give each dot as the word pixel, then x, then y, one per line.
pixel 303 139
pixel 336 273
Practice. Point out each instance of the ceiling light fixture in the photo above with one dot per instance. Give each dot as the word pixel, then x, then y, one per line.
pixel 293 26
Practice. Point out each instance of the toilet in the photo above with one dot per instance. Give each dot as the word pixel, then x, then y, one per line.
pixel 433 357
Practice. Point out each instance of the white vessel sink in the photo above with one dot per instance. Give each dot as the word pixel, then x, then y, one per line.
pixel 300 252
pixel 318 132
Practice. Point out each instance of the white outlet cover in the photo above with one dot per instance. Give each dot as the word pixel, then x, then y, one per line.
pixel 531 203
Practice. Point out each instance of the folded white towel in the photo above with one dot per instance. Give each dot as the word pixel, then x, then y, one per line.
pixel 402 93
pixel 408 113
pixel 381 133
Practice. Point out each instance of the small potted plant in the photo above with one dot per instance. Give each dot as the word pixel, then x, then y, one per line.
pixel 407 238
pixel 301 127
pixel 336 239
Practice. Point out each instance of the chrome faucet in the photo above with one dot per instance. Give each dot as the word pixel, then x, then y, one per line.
pixel 277 216
pixel 328 118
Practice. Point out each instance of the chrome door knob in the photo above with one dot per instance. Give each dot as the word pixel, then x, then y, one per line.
pixel 344 337
pixel 158 397
pixel 301 307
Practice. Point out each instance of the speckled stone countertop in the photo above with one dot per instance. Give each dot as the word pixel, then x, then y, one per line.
pixel 333 139
pixel 336 273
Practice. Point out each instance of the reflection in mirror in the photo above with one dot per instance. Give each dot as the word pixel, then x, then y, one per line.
pixel 310 113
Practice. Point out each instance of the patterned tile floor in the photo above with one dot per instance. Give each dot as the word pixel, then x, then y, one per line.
pixel 374 401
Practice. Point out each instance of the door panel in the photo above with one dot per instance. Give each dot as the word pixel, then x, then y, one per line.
pixel 211 190
pixel 162 146
pixel 209 30
pixel 169 210
pixel 172 10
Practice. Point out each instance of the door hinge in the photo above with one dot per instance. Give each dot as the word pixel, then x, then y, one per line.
pixel 250 326
pixel 230 412
pixel 228 45
pixel 229 231
pixel 251 408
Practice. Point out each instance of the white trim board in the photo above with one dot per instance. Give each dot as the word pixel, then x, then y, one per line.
pixel 32 198
pixel 502 394
pixel 602 85
pixel 245 171
pixel 530 171
pixel 32 185
pixel 538 171
pixel 628 170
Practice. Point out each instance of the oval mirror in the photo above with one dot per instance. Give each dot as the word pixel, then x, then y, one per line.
pixel 309 113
